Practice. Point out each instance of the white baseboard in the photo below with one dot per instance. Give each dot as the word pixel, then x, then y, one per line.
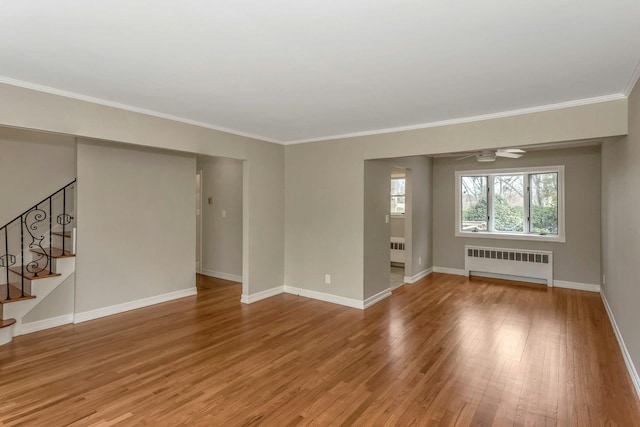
pixel 219 275
pixel 40 325
pixel 376 298
pixel 6 334
pixel 394 287
pixel 446 270
pixel 132 305
pixel 349 302
pixel 335 299
pixel 248 299
pixel 574 285
pixel 633 373
pixel 558 283
pixel 416 277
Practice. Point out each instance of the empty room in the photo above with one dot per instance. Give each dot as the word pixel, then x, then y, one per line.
pixel 331 213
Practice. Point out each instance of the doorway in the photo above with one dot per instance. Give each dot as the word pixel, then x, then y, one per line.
pixel 398 209
pixel 219 218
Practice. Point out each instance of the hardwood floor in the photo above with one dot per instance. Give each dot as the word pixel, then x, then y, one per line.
pixel 443 351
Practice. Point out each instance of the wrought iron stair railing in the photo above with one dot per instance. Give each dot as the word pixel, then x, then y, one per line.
pixel 35 224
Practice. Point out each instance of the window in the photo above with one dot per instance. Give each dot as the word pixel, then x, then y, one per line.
pixel 522 204
pixel 397 196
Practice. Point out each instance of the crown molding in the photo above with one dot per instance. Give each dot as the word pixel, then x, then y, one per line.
pixel 633 79
pixel 538 109
pixel 106 103
pixel 549 107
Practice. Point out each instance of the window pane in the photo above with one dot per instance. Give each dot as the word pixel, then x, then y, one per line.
pixel 474 203
pixel 397 187
pixel 508 203
pixel 544 203
pixel 397 204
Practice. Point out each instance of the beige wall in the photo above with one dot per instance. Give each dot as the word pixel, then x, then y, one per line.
pixel 221 235
pixel 136 224
pixel 263 176
pixel 621 229
pixel 324 233
pixel 397 226
pixel 577 260
pixel 58 303
pixel 32 166
pixel 377 231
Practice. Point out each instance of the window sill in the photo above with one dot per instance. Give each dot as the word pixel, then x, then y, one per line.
pixel 397 216
pixel 512 236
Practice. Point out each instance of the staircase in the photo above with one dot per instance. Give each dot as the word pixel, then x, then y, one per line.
pixel 37 254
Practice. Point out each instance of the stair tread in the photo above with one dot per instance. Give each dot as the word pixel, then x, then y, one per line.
pixel 7 322
pixel 43 275
pixel 15 293
pixel 60 233
pixel 53 252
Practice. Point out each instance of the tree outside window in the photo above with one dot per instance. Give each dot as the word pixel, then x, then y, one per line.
pixel 510 201
pixel 398 196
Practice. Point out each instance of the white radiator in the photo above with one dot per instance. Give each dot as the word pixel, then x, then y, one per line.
pixel 513 262
pixel 397 249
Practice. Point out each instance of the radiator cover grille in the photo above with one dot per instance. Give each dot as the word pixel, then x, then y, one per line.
pixel 397 249
pixel 524 263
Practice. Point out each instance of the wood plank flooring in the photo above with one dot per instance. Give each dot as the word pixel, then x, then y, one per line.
pixel 443 351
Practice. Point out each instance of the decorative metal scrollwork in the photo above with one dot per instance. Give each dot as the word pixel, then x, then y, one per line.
pixel 64 219
pixel 7 260
pixel 33 222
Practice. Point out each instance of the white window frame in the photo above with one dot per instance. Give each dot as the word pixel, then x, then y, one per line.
pixel 400 215
pixel 560 237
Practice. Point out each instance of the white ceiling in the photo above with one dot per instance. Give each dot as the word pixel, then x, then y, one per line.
pixel 292 70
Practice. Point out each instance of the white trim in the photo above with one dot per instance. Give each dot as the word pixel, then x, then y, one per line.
pixel 100 101
pixel 376 298
pixel 6 334
pixel 469 119
pixel 548 107
pixel 633 373
pixel 575 285
pixel 508 277
pixel 394 287
pixel 557 283
pixel 248 299
pixel 633 79
pixel 416 277
pixel 132 305
pixel 335 299
pixel 219 275
pixel 321 296
pixel 39 325
pixel 512 236
pixel 447 270
pixel 560 237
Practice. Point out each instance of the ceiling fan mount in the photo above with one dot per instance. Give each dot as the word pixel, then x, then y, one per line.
pixel 491 155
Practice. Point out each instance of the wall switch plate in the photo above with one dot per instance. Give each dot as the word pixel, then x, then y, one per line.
pixel 224 213
pixel 327 279
pixel 386 219
pixel 420 260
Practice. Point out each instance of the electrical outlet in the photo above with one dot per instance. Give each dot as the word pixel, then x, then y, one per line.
pixel 386 219
pixel 420 260
pixel 604 281
pixel 327 279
